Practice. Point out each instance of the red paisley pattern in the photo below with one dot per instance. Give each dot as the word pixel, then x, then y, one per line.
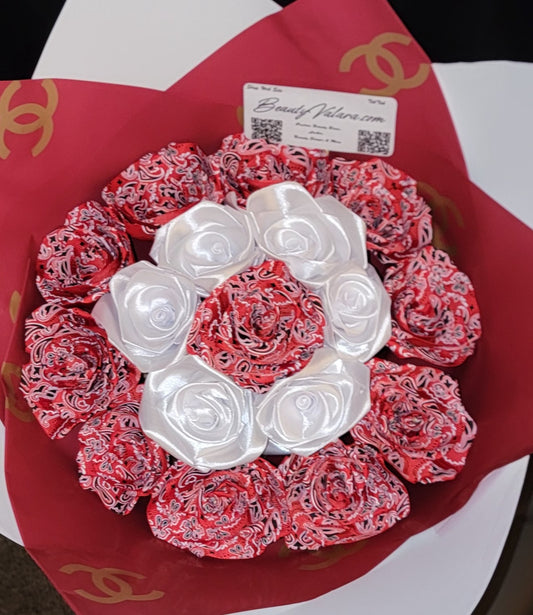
pixel 158 187
pixel 435 315
pixel 243 165
pixel 340 494
pixel 417 421
pixel 116 460
pixel 226 514
pixel 73 373
pixel 77 260
pixel 258 326
pixel 398 220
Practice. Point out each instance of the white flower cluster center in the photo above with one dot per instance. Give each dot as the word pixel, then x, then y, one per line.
pixel 200 415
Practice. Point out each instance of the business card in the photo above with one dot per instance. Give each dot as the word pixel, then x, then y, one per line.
pixel 338 121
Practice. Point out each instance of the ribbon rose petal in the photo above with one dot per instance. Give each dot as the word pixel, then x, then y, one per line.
pixel 77 260
pixel 304 412
pixel 116 460
pixel 206 244
pixel 200 416
pixel 313 237
pixel 73 372
pixel 435 315
pixel 243 165
pixel 357 308
pixel 160 186
pixel 258 326
pixel 340 494
pixel 147 314
pixel 227 514
pixel 417 421
pixel 397 218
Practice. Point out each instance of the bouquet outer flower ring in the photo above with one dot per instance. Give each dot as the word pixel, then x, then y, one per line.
pixel 219 224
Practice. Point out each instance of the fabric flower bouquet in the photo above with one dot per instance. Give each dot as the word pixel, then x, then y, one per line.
pixel 232 333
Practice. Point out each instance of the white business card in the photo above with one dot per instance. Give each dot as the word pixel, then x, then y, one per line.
pixel 338 121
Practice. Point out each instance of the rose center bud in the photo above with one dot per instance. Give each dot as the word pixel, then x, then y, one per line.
pixel 304 415
pixel 264 320
pixel 258 327
pixel 356 298
pixel 163 316
pixel 308 407
pixel 413 424
pixel 203 412
pixel 203 418
pixel 258 317
pixel 211 248
pixel 71 363
pixel 212 504
pixel 340 492
pixel 333 491
pixel 293 241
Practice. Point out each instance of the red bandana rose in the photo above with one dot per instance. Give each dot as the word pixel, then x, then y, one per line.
pixel 435 316
pixel 73 373
pixel 227 514
pixel 398 221
pixel 116 460
pixel 417 421
pixel 77 260
pixel 158 187
pixel 340 494
pixel 258 326
pixel 243 165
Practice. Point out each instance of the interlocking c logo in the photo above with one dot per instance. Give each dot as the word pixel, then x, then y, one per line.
pixel 43 117
pixel 444 210
pixel 14 305
pixel 109 582
pixel 11 377
pixel 395 80
pixel 325 558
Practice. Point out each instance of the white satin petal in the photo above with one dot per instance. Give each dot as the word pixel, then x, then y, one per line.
pixel 305 411
pixel 313 237
pixel 147 314
pixel 200 416
pixel 207 244
pixel 357 309
pixel 354 226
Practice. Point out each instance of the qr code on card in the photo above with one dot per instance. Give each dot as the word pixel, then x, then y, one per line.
pixel 270 130
pixel 373 142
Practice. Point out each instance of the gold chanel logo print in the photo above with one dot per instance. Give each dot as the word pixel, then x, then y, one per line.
pixel 43 117
pixel 113 588
pixel 444 210
pixel 329 557
pixel 395 80
pixel 11 377
pixel 325 558
pixel 14 305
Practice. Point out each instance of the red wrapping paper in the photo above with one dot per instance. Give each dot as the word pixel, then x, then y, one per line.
pixel 96 557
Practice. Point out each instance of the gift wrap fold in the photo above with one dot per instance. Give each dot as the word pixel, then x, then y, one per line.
pixel 62 141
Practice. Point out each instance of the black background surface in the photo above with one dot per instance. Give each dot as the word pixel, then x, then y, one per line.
pixel 451 31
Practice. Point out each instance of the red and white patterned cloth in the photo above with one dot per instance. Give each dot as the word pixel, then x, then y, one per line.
pixel 259 326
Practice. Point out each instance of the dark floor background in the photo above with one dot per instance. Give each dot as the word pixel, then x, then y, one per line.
pixel 449 31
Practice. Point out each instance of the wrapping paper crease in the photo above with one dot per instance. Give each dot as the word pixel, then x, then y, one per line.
pixel 96 131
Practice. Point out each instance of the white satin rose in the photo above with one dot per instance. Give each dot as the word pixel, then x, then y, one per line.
pixel 147 314
pixel 307 410
pixel 200 416
pixel 357 309
pixel 207 244
pixel 314 237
